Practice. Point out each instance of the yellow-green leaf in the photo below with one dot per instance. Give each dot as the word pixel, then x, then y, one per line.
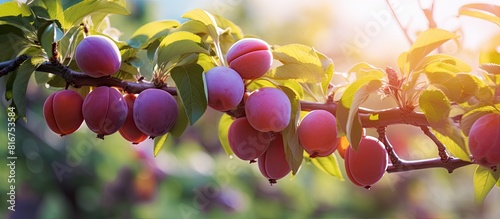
pixel 223 129
pixel 484 180
pixel 425 43
pixel 206 18
pixel 149 32
pixel 177 44
pixel 159 142
pixel 303 73
pixel 75 14
pixel 293 149
pixel 328 165
pixel 297 54
pixel 347 116
pixel 486 12
pixel 363 69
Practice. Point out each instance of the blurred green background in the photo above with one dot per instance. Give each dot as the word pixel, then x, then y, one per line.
pixel 79 176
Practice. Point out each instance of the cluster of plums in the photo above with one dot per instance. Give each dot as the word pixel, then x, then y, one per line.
pixel 258 135
pixel 255 136
pixel 105 110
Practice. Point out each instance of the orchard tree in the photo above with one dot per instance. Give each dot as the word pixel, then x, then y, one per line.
pixel 280 106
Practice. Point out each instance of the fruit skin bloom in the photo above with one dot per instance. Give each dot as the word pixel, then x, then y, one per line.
pixel 484 140
pixel 98 56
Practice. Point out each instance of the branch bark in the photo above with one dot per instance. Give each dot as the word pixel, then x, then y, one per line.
pixel 451 165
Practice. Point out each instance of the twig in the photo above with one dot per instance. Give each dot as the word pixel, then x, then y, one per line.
pixel 388 147
pixel 405 31
pixel 443 153
pixel 78 79
pixel 11 65
pixel 451 165
pixel 374 118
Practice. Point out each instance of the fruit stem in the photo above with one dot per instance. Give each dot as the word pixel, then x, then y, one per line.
pixel 443 153
pixel 388 146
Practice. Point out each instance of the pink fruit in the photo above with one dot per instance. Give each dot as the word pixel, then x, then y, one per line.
pixel 366 165
pixel 273 164
pixel 63 111
pixel 129 130
pixel 225 88
pixel 250 57
pixel 98 56
pixel 155 112
pixel 268 110
pixel 484 140
pixel 318 133
pixel 246 142
pixel 104 110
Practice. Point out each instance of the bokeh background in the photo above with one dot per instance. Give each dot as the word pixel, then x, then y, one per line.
pixel 79 176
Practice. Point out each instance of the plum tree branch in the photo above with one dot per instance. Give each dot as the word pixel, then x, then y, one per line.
pixel 375 118
pixel 78 79
pixel 451 165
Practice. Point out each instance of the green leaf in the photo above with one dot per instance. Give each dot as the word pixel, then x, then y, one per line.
pixel 486 12
pixel 223 129
pixel 484 180
pixel 75 14
pixel 159 142
pixel 23 74
pixel 436 108
pixel 470 117
pixel 51 34
pixel 191 86
pixel 149 32
pixel 328 165
pixel 53 8
pixel 425 43
pixel 12 45
pixel 18 15
pixel 67 44
pixel 177 44
pixel 347 110
pixel 293 150
pixel 363 69
pixel 207 19
pixel 457 87
pixel 297 54
pixel 303 73
pixel 329 71
pixel 182 121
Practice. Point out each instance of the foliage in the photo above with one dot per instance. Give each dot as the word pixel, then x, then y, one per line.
pixel 426 82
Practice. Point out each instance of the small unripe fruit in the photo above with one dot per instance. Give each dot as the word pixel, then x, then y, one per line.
pixel 104 111
pixel 273 164
pixel 225 88
pixel 317 133
pixel 98 56
pixel 268 110
pixel 155 112
pixel 250 57
pixel 129 130
pixel 63 111
pixel 246 142
pixel 366 165
pixel 484 140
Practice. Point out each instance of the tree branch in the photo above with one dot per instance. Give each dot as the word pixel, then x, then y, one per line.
pixel 451 165
pixel 11 65
pixel 78 79
pixel 374 118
